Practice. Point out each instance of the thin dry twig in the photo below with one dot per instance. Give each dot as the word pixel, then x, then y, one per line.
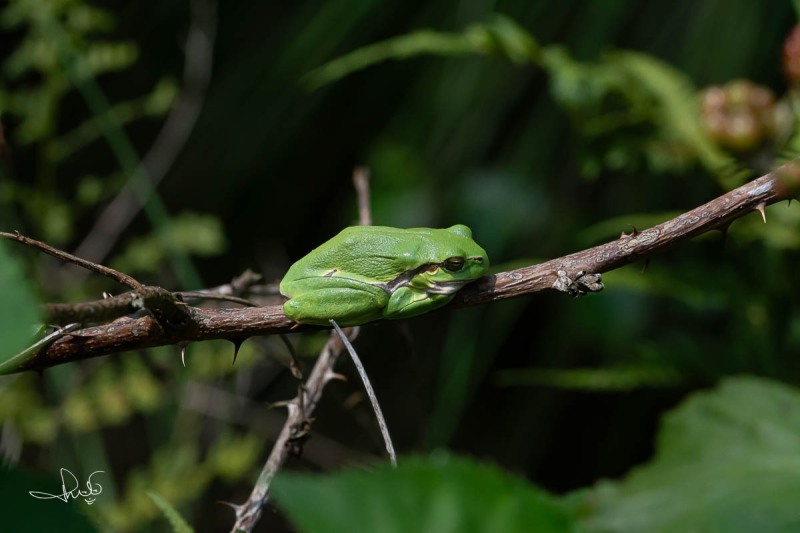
pixel 291 437
pixel 373 398
pixel 361 183
pixel 204 295
pixel 298 421
pixel 229 292
pixel 69 258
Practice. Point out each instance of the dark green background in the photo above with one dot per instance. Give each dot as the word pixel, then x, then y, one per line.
pixel 473 140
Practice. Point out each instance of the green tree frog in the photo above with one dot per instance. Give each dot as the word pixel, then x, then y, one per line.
pixel 370 272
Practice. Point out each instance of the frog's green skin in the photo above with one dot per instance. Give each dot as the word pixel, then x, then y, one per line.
pixel 370 272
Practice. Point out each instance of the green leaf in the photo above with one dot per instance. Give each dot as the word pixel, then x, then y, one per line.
pixel 435 494
pixel 179 525
pixel 727 460
pixel 19 308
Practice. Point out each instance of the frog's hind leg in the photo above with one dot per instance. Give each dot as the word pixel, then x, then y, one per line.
pixel 348 307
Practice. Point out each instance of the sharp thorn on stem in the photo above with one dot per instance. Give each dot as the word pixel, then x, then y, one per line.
pixel 282 403
pixel 761 209
pixel 335 376
pixel 237 343
pixel 231 505
pixel 294 368
pixel 294 364
pixel 183 346
pixel 634 232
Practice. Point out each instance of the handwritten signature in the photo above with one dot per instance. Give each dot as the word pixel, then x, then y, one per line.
pixel 93 489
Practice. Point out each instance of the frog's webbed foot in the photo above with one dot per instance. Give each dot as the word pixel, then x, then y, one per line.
pixel 581 284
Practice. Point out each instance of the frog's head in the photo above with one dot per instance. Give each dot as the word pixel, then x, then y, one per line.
pixel 459 260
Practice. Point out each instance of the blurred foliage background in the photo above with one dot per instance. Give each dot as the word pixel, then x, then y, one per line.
pixel 546 127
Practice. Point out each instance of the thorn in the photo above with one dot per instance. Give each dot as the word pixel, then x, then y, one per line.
pixel 106 295
pixel 231 505
pixel 789 202
pixel 760 208
pixel 294 368
pixel 282 403
pixel 333 375
pixel 295 326
pixel 237 343
pixel 646 264
pixel 183 346
pixel 634 232
pixel 294 365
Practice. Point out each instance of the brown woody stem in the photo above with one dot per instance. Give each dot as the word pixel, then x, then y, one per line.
pixel 205 324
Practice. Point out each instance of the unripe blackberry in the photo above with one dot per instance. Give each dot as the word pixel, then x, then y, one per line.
pixel 739 116
pixel 791 56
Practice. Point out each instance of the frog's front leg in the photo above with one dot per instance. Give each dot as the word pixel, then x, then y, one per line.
pixel 346 301
pixel 409 301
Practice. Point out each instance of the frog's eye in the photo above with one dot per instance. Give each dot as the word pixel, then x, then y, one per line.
pixel 454 264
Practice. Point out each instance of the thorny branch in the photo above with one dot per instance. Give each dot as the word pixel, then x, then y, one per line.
pixel 126 333
pixel 781 184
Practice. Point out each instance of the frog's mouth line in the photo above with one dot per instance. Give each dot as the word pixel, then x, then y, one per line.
pixel 435 287
pixel 446 287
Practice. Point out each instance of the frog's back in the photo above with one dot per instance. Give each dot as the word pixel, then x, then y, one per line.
pixel 380 251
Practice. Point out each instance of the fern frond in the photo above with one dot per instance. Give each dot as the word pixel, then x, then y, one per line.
pixel 500 36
